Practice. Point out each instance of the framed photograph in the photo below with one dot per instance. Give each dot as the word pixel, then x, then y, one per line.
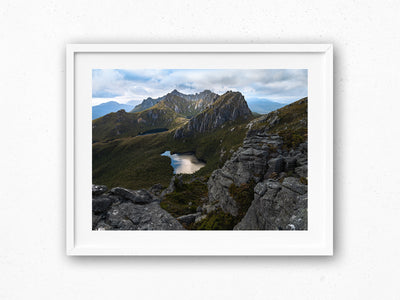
pixel 199 149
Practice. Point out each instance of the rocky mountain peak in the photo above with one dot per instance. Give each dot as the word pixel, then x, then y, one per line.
pixel 201 100
pixel 176 92
pixel 228 107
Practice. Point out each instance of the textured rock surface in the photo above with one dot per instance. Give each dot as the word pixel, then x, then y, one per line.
pixel 123 209
pixel 189 219
pixel 156 189
pixel 247 163
pixel 278 168
pixel 171 187
pixel 276 207
pixel 262 186
pixel 98 189
pixel 228 107
pixel 192 102
pixel 137 197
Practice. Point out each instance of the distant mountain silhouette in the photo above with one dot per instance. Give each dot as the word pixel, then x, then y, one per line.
pixel 263 106
pixel 108 107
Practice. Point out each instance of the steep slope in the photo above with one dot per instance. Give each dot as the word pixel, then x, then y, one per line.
pixel 122 124
pixel 206 96
pixel 108 107
pixel 136 161
pixel 168 113
pixel 147 103
pixel 194 102
pixel 229 107
pixel 264 184
pixel 187 105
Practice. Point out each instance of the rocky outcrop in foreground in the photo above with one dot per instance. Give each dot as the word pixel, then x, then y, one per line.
pixel 123 209
pixel 280 193
pixel 247 163
pixel 277 206
pixel 275 168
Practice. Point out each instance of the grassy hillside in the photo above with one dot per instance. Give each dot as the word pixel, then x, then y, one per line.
pixel 133 162
pixel 136 162
pixel 171 112
pixel 122 124
pixel 290 122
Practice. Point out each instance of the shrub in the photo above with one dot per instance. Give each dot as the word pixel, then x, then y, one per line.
pixel 243 195
pixel 217 220
pixel 186 198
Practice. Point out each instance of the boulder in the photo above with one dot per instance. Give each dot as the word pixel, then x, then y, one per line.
pixel 124 209
pixel 248 163
pixel 98 189
pixel 188 219
pixel 302 171
pixel 294 185
pixel 290 163
pixel 276 165
pixel 130 216
pixel 137 197
pixel 156 189
pixel 276 207
pixel 101 204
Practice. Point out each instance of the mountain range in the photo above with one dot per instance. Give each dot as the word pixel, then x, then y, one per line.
pixel 257 105
pixel 255 173
pixel 168 112
pixel 263 106
pixel 108 107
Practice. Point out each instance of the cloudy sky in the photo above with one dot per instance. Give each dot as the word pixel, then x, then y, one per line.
pixel 119 85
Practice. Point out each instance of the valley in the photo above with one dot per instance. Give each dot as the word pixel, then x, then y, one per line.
pixel 253 173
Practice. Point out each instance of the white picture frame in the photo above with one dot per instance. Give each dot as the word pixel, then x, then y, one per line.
pixel 81 240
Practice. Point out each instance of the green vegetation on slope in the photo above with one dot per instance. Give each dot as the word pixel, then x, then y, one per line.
pixel 290 123
pixel 243 196
pixel 186 197
pixel 216 220
pixel 212 147
pixel 122 124
pixel 220 220
pixel 132 162
pixel 136 162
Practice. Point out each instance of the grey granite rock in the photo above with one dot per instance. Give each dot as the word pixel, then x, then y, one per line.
pixel 294 185
pixel 188 219
pixel 124 209
pixel 129 216
pixel 227 107
pixel 280 194
pixel 248 163
pixel 137 197
pixel 278 208
pixel 156 189
pixel 101 204
pixel 276 165
pixel 98 189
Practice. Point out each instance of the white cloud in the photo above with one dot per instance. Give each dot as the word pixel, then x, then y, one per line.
pixel 124 85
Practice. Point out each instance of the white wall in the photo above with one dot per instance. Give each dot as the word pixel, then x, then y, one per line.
pixel 366 42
